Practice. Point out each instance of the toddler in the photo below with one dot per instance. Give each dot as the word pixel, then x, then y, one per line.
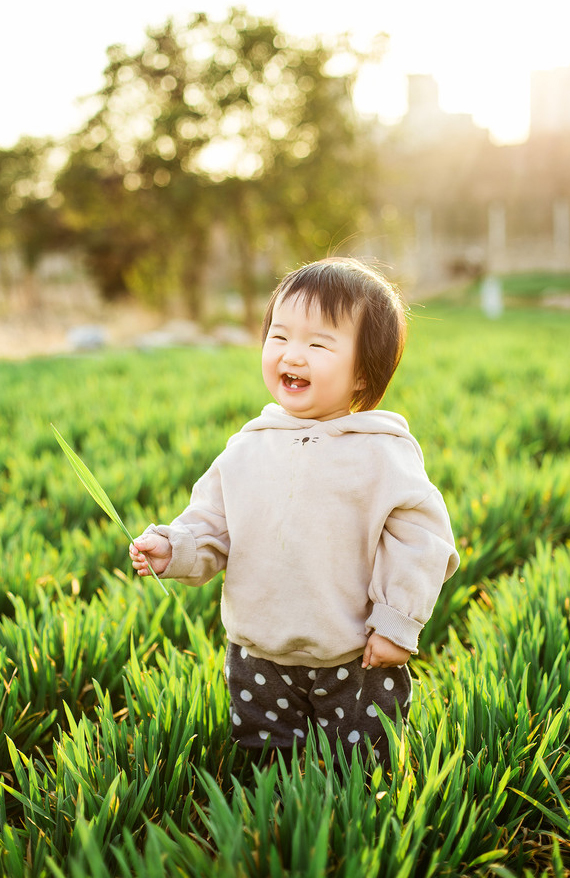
pixel 334 541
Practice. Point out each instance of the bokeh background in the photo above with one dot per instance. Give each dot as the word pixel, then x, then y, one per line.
pixel 162 164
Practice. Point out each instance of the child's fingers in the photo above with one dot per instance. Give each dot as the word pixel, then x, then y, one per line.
pixel 139 561
pixel 150 549
pixel 141 567
pixel 141 544
pixel 367 656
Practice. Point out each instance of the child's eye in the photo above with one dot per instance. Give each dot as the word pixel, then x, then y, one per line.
pixel 315 345
pixel 279 337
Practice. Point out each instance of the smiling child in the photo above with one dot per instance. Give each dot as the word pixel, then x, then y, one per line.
pixel 334 541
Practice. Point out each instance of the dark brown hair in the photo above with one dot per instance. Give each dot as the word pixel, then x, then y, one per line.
pixel 349 287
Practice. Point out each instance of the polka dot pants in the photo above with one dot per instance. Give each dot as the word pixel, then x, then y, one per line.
pixel 274 701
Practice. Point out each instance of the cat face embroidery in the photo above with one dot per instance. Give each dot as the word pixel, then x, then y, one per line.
pixel 305 440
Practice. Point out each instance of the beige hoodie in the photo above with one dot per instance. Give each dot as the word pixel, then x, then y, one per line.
pixel 328 530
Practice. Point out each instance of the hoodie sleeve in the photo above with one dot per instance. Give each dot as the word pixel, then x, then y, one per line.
pixel 415 556
pixel 199 536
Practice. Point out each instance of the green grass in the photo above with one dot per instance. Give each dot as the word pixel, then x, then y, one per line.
pixel 536 284
pixel 115 756
pixel 524 290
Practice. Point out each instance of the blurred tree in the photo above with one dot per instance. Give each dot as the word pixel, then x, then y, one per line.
pixel 109 223
pixel 30 222
pixel 229 122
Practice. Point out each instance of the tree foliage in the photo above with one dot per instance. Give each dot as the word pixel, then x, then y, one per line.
pixel 27 218
pixel 228 124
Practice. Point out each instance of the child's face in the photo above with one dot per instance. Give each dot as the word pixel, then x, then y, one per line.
pixel 308 362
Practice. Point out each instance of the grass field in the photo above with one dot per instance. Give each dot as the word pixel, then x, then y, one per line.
pixel 115 757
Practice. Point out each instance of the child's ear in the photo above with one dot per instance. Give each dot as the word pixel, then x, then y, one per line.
pixel 360 382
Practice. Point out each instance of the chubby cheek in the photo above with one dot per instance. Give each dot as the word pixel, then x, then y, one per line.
pixel 269 369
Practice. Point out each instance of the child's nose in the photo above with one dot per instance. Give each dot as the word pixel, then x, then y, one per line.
pixel 294 355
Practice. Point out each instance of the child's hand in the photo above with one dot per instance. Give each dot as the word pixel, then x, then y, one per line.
pixel 382 653
pixel 151 547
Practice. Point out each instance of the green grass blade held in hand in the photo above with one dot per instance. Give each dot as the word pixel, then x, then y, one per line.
pixel 89 481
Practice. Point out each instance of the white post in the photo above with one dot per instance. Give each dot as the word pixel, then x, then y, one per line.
pixel 561 231
pixel 497 235
pixel 492 296
pixel 424 242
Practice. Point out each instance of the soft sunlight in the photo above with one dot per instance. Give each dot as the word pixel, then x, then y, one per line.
pixel 497 98
pixel 481 54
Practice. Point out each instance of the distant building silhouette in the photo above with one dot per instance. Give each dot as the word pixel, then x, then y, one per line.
pixel 550 101
pixel 425 123
pixel 467 207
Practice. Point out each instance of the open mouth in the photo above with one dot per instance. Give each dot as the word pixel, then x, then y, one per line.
pixel 293 382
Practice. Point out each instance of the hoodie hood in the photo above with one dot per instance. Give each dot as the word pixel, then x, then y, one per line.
pixel 274 417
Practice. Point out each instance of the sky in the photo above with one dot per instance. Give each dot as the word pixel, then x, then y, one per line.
pixel 52 54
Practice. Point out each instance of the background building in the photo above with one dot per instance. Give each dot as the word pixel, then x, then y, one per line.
pixel 550 101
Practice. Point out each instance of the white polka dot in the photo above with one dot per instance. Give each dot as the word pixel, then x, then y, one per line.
pixel 354 737
pixel 227 672
pixel 299 733
pixel 263 735
pixel 312 675
pixel 245 695
pixel 388 683
pixel 271 715
pixel 282 703
pixel 339 712
pixel 236 720
pixel 300 713
pixel 358 694
pixel 287 679
pixel 323 722
pixel 259 679
pixel 321 692
pixel 342 673
pixel 371 710
pixel 243 652
pixel 377 754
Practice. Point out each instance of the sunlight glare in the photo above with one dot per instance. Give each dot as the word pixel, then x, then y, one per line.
pixel 481 56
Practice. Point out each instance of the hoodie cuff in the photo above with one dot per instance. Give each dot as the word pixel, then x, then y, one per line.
pixel 184 550
pixel 395 626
